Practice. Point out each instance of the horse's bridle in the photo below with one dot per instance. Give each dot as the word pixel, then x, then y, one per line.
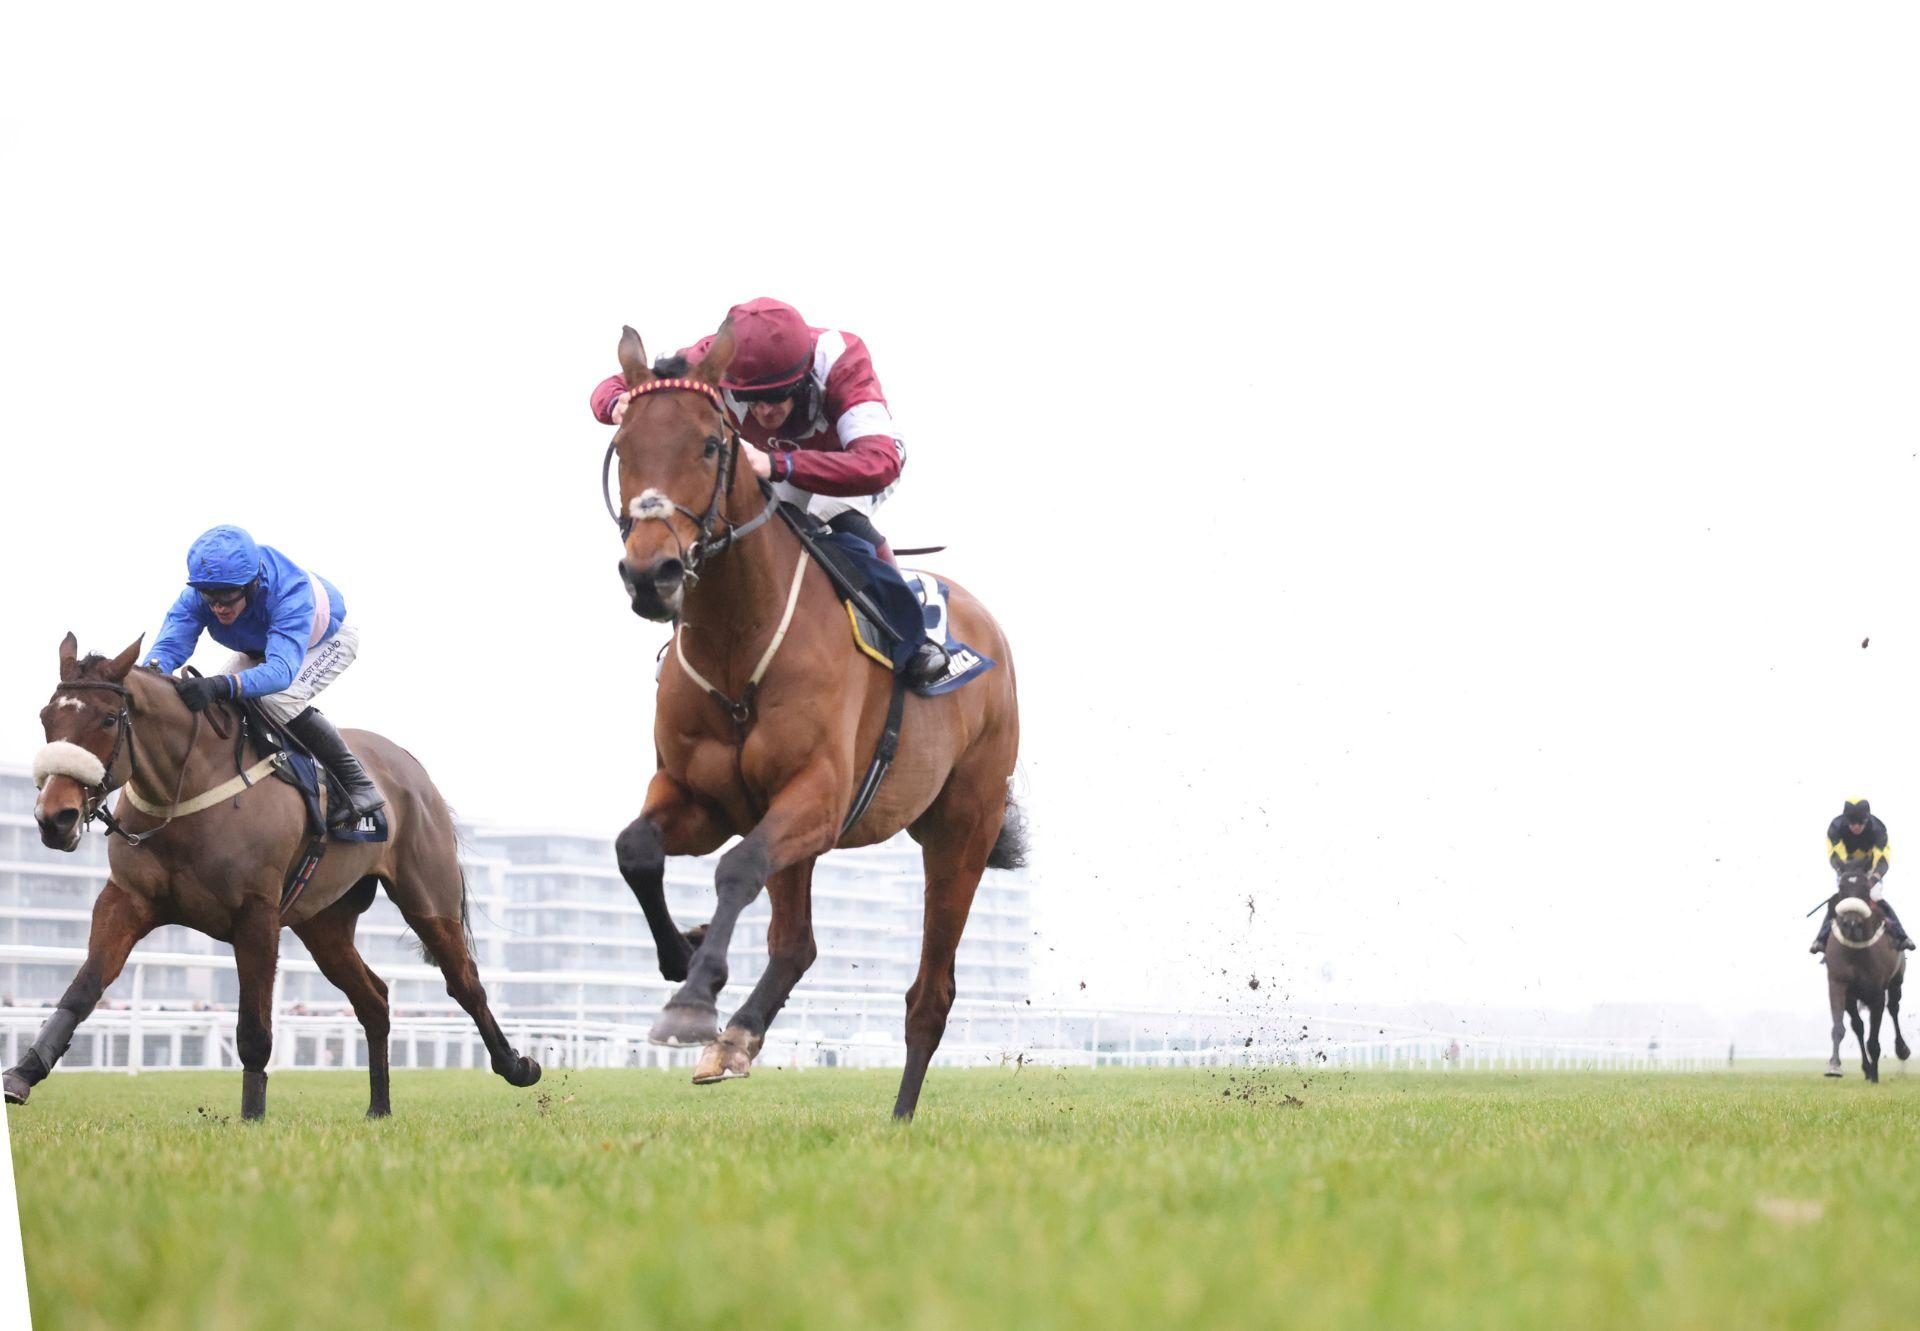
pixel 94 804
pixel 658 508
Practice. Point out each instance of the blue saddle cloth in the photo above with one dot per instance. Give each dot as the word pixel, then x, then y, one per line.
pixel 303 772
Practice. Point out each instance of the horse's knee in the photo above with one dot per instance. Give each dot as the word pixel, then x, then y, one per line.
pixel 741 874
pixel 640 852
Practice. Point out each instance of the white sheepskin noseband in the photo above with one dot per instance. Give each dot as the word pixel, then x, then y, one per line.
pixel 1853 906
pixel 62 758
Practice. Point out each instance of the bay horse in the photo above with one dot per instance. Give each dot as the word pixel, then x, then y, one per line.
pixel 766 719
pixel 1863 966
pixel 217 862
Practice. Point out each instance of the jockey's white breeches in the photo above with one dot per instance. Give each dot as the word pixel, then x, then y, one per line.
pixel 322 666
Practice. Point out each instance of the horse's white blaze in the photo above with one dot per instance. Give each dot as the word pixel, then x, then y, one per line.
pixel 62 758
pixel 649 503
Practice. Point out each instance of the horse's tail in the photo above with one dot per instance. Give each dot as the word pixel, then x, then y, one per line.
pixel 1010 849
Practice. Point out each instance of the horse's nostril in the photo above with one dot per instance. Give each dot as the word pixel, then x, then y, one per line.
pixel 62 822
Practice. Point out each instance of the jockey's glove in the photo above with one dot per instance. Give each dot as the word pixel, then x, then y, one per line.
pixel 197 692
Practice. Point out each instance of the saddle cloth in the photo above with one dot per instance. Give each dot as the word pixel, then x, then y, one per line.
pixel 963 663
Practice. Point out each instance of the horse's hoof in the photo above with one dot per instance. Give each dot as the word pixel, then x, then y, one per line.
pixel 1833 1070
pixel 16 1087
pixel 1901 1052
pixel 682 1026
pixel 526 1074
pixel 379 1113
pixel 728 1057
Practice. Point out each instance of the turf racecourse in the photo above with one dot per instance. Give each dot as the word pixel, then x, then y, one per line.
pixel 1029 1198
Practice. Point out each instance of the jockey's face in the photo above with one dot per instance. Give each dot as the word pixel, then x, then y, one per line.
pixel 1857 829
pixel 226 604
pixel 771 415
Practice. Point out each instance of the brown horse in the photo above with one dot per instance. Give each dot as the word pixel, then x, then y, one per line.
pixel 220 868
pixel 1863 966
pixel 765 723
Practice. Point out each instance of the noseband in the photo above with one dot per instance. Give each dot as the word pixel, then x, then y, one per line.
pixel 657 508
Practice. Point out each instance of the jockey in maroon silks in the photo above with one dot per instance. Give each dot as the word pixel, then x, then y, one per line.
pixel 810 409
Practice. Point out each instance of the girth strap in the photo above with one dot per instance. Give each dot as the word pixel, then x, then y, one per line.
pixel 740 710
pixel 883 756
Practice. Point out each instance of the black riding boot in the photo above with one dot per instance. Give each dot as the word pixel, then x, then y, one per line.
pixel 317 733
pixel 1826 927
pixel 929 663
pixel 1900 938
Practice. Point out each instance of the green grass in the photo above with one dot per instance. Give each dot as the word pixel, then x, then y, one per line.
pixel 1035 1198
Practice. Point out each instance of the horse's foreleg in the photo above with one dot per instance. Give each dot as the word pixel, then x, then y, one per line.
pixel 670 823
pixel 1859 1031
pixel 1874 1009
pixel 790 950
pixel 256 956
pixel 120 919
pixel 1837 1000
pixel 329 937
pixel 1900 1049
pixel 956 836
pixel 802 823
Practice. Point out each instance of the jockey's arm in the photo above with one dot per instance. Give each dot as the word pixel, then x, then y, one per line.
pixel 604 397
pixel 179 634
pixel 866 466
pixel 290 624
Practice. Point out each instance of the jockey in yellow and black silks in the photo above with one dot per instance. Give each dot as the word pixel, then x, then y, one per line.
pixel 1855 838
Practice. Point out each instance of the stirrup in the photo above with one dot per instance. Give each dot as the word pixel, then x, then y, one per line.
pixel 929 664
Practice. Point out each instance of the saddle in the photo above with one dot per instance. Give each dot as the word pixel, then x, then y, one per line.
pixel 889 609
pixel 325 797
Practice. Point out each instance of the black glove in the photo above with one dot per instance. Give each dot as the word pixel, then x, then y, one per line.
pixel 197 692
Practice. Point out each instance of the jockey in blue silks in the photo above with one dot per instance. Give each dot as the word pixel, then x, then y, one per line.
pixel 289 630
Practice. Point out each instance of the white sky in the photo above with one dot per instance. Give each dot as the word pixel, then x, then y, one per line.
pixel 1436 469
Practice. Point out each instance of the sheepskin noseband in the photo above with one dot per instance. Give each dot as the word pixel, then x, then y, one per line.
pixel 62 758
pixel 1853 907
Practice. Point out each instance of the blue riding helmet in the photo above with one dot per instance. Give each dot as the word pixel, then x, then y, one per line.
pixel 223 557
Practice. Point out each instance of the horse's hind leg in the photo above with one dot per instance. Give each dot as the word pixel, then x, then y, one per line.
pixel 256 955
pixel 670 823
pixel 329 937
pixel 446 942
pixel 1900 1049
pixel 120 919
pixel 956 835
pixel 790 950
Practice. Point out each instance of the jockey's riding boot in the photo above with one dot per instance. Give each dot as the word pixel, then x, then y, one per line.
pixel 929 663
pixel 317 733
pixel 1900 939
pixel 1826 927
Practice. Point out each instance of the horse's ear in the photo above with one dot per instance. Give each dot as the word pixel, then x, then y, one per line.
pixel 633 358
pixel 117 668
pixel 719 356
pixel 69 656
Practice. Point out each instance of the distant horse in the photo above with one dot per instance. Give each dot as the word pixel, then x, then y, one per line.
pixel 765 722
pixel 1863 966
pixel 216 863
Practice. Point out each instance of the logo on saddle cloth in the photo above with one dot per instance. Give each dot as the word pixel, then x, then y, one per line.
pixel 963 663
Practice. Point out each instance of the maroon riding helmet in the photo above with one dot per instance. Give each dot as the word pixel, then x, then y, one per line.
pixel 773 348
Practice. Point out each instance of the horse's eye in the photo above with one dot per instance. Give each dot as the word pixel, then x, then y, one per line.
pixel 109 722
pixel 713 446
